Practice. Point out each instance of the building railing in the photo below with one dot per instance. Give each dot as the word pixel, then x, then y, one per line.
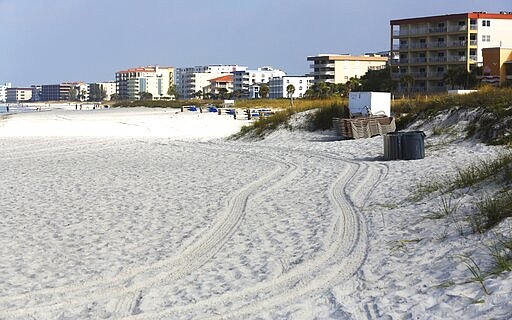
pixel 437 30
pixel 418 74
pixel 473 27
pixel 419 45
pixel 473 42
pixel 419 60
pixel 437 59
pixel 457 59
pixel 438 44
pixel 436 74
pixel 458 28
pixel 473 57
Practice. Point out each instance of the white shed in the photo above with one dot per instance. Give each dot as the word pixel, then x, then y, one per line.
pixel 370 103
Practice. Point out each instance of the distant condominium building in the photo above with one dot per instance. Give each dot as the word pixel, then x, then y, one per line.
pixel 3 91
pixel 244 79
pixel 156 80
pixel 190 81
pixel 66 91
pixel 426 48
pixel 339 68
pixel 279 86
pixel 18 94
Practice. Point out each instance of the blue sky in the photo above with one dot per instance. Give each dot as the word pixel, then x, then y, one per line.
pixel 51 41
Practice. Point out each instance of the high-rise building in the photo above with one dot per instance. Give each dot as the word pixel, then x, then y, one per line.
pixel 155 80
pixel 426 48
pixel 339 68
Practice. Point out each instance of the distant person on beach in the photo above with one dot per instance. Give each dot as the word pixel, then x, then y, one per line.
pixel 7 108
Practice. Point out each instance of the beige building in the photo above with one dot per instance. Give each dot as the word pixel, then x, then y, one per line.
pixel 336 68
pixel 156 80
pixel 426 48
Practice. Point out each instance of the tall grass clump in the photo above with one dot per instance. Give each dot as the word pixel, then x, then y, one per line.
pixel 499 168
pixel 322 118
pixel 495 209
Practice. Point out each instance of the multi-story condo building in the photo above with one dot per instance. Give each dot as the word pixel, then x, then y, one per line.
pixel 339 68
pixel 65 91
pixel 156 80
pixel 18 94
pixel 279 86
pixel 244 79
pixel 426 48
pixel 191 80
pixel 3 91
pixel 219 85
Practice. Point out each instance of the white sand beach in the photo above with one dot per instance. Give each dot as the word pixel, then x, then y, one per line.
pixel 153 214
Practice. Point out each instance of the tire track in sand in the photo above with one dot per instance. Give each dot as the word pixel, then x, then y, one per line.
pixel 128 285
pixel 343 256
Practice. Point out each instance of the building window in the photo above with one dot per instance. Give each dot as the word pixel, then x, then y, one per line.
pixel 300 81
pixel 486 23
pixel 486 38
pixel 300 88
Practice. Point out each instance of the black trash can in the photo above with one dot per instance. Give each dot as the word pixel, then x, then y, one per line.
pixel 413 145
pixel 393 146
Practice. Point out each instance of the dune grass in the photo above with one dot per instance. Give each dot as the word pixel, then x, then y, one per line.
pixel 319 120
pixel 492 127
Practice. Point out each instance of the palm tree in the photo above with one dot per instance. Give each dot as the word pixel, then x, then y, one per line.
pixel 264 89
pixel 407 81
pixel 290 90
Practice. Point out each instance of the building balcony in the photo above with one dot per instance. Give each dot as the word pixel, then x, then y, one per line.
pixel 458 44
pixel 437 59
pixel 439 75
pixel 321 65
pixel 419 45
pixel 418 74
pixel 473 42
pixel 437 45
pixel 458 29
pixel 419 60
pixel 437 30
pixel 473 27
pixel 457 59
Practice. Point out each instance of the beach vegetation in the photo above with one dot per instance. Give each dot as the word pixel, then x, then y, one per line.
pixel 478 275
pixel 264 90
pixel 493 108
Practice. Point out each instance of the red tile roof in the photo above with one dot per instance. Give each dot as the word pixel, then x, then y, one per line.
pixel 226 78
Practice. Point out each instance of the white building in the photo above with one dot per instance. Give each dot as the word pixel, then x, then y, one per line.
pixel 279 85
pixel 156 80
pixel 191 80
pixel 109 88
pixel 3 91
pixel 244 79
